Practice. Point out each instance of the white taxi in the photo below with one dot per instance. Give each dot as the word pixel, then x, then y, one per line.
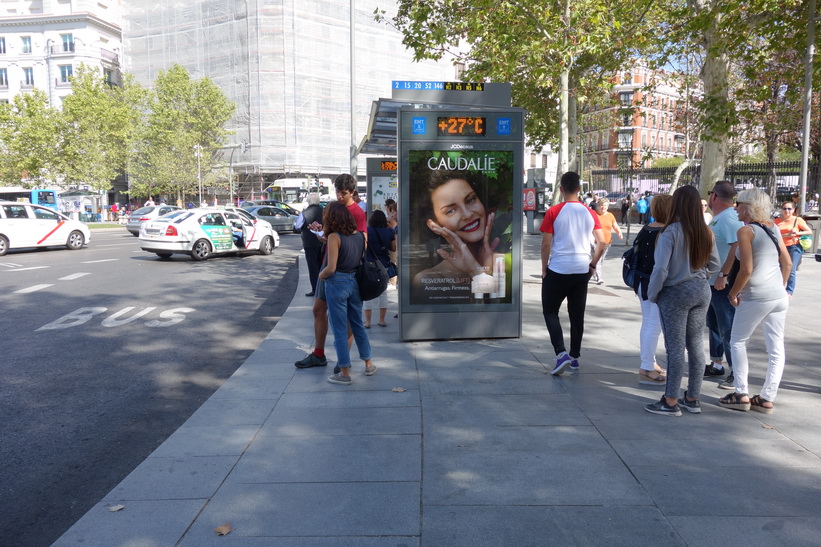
pixel 204 232
pixel 23 225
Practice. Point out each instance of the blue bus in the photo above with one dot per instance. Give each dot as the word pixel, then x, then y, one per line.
pixel 38 196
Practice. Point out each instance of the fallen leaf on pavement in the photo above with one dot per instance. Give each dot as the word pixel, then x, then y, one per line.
pixel 765 426
pixel 115 508
pixel 398 389
pixel 223 530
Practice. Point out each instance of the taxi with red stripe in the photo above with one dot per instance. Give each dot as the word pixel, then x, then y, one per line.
pixel 24 225
pixel 205 232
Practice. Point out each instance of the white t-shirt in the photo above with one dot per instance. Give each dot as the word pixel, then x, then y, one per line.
pixel 572 225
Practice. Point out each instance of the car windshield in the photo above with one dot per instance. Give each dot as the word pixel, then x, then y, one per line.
pixel 143 210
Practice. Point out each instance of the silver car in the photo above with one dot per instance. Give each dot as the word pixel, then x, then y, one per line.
pixel 144 214
pixel 280 219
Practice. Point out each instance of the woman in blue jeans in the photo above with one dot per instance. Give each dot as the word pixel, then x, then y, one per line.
pixel 345 246
pixel 792 227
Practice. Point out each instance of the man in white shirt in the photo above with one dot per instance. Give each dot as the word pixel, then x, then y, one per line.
pixel 567 267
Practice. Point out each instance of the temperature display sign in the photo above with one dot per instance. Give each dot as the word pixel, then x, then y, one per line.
pixel 461 126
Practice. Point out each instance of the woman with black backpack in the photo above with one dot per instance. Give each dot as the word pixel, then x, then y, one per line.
pixel 381 242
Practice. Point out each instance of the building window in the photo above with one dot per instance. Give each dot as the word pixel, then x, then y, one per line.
pixel 4 77
pixel 28 76
pixel 65 73
pixel 2 46
pixel 626 98
pixel 68 42
pixel 628 78
pixel 532 160
pixel 26 44
pixel 108 76
pixel 625 139
pixel 627 118
pixel 544 161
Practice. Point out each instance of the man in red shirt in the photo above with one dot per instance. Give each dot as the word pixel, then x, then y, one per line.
pixel 567 267
pixel 345 186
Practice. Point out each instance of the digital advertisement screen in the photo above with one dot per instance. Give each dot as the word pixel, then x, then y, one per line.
pixel 460 239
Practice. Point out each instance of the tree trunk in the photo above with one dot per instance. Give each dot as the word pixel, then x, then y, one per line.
pixel 572 136
pixel 714 78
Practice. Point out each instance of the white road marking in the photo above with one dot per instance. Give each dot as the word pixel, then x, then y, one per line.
pixel 73 276
pixel 32 289
pixel 116 245
pixel 30 268
pixel 98 261
pixel 10 265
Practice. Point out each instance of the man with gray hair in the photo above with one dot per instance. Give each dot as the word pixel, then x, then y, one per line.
pixel 720 314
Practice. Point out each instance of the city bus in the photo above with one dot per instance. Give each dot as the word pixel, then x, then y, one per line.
pixel 38 196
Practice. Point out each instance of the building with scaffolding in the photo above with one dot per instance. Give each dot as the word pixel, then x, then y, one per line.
pixel 287 66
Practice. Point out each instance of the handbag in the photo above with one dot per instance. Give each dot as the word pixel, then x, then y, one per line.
pixel 371 277
pixel 806 242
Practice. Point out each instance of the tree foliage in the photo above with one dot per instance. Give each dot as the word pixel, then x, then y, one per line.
pixel 29 140
pixel 181 113
pixel 99 122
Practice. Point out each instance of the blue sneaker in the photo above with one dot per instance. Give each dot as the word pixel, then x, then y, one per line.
pixel 574 365
pixel 562 362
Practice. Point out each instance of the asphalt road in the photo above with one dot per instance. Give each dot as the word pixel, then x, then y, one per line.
pixel 105 352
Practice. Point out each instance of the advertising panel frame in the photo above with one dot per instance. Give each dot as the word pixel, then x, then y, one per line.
pixel 472 158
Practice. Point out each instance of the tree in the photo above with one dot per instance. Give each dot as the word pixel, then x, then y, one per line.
pixel 29 140
pixel 556 53
pixel 181 113
pixel 99 124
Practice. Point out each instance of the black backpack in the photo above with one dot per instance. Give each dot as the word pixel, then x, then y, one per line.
pixel 630 272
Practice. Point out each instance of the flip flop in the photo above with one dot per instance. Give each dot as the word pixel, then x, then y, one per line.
pixel 382 324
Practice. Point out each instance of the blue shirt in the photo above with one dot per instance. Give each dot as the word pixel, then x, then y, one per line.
pixel 725 226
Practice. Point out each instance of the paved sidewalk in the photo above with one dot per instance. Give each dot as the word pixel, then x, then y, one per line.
pixel 483 446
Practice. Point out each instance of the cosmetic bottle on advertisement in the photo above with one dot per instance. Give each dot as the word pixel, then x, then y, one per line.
pixel 481 285
pixel 499 274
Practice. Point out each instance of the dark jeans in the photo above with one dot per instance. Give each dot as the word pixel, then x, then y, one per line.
pixel 720 323
pixel 555 289
pixel 313 256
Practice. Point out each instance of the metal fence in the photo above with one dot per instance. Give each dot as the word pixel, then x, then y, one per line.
pixel 783 175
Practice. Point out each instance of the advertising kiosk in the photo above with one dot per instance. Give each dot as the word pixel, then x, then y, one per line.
pixel 382 183
pixel 460 219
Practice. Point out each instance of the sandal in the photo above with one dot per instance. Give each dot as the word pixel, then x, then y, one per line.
pixel 733 401
pixel 646 379
pixel 757 404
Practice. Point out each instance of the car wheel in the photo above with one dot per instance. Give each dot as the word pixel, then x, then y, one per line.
pixel 164 255
pixel 266 246
pixel 76 240
pixel 4 245
pixel 201 249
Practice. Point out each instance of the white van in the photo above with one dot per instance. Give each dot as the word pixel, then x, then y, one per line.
pixel 23 225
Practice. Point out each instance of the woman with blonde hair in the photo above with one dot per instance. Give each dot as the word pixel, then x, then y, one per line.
pixel 685 259
pixel 608 225
pixel 759 297
pixel 645 244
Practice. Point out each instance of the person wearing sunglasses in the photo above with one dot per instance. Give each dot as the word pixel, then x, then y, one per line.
pixel 792 227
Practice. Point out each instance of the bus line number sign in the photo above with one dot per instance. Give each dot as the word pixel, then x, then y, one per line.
pixel 388 166
pixel 461 126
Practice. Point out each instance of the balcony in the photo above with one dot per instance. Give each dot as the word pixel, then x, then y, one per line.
pixel 62 49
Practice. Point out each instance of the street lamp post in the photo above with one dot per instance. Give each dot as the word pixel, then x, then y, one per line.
pixel 243 146
pixel 198 153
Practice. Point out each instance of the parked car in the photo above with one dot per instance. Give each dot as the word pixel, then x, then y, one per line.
pixel 25 225
pixel 272 202
pixel 204 232
pixel 143 214
pixel 280 219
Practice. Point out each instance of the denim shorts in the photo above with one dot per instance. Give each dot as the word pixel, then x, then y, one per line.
pixel 320 290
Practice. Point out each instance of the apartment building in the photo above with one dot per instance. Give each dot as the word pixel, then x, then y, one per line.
pixel 42 42
pixel 641 126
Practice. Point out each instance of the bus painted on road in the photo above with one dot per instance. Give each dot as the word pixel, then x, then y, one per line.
pixel 37 196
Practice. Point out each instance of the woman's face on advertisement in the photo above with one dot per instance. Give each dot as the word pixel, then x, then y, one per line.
pixel 457 208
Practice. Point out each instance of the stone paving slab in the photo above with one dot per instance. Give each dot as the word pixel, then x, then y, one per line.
pixel 537 526
pixel 177 478
pixel 336 509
